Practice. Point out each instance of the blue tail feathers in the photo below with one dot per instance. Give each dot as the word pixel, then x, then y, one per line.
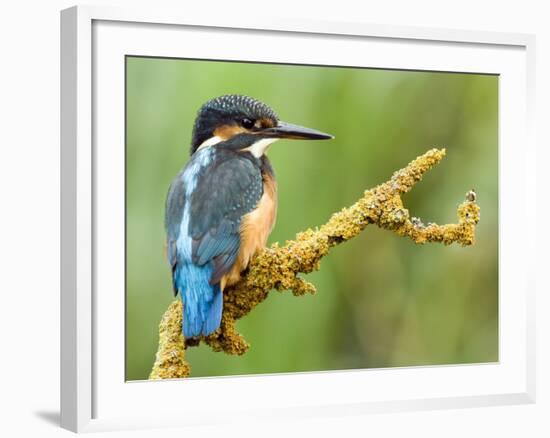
pixel 202 302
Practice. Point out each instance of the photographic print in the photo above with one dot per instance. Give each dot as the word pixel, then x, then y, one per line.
pixel 374 191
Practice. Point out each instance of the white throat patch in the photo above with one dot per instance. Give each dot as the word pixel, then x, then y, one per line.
pixel 210 142
pixel 261 146
pixel 257 149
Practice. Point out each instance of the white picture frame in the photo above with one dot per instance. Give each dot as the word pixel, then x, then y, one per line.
pixel 93 396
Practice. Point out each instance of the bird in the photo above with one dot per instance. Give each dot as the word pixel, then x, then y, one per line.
pixel 222 205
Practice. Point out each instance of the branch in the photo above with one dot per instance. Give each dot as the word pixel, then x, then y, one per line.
pixel 278 267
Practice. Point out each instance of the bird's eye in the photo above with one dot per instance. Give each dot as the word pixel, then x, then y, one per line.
pixel 247 123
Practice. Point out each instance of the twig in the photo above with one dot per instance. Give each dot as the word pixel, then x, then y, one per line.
pixel 278 267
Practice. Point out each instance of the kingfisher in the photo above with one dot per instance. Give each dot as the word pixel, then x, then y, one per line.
pixel 222 206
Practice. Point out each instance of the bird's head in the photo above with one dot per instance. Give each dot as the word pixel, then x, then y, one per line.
pixel 243 123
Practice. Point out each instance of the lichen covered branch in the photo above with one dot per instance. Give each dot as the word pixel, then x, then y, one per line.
pixel 278 267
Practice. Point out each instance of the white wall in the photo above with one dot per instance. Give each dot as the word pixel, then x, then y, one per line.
pixel 29 231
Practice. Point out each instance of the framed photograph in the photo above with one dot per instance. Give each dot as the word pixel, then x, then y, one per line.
pixel 291 218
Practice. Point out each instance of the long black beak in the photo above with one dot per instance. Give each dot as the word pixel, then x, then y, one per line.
pixel 288 130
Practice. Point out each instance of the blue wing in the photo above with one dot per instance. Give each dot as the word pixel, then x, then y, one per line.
pixel 229 190
pixel 175 204
pixel 204 208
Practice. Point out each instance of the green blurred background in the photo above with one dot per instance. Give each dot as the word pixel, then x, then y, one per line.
pixel 382 301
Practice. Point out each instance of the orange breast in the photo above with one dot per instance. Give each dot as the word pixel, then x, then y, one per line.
pixel 255 229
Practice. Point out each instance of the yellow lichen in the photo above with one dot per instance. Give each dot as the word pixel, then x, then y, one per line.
pixel 278 267
pixel 170 361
